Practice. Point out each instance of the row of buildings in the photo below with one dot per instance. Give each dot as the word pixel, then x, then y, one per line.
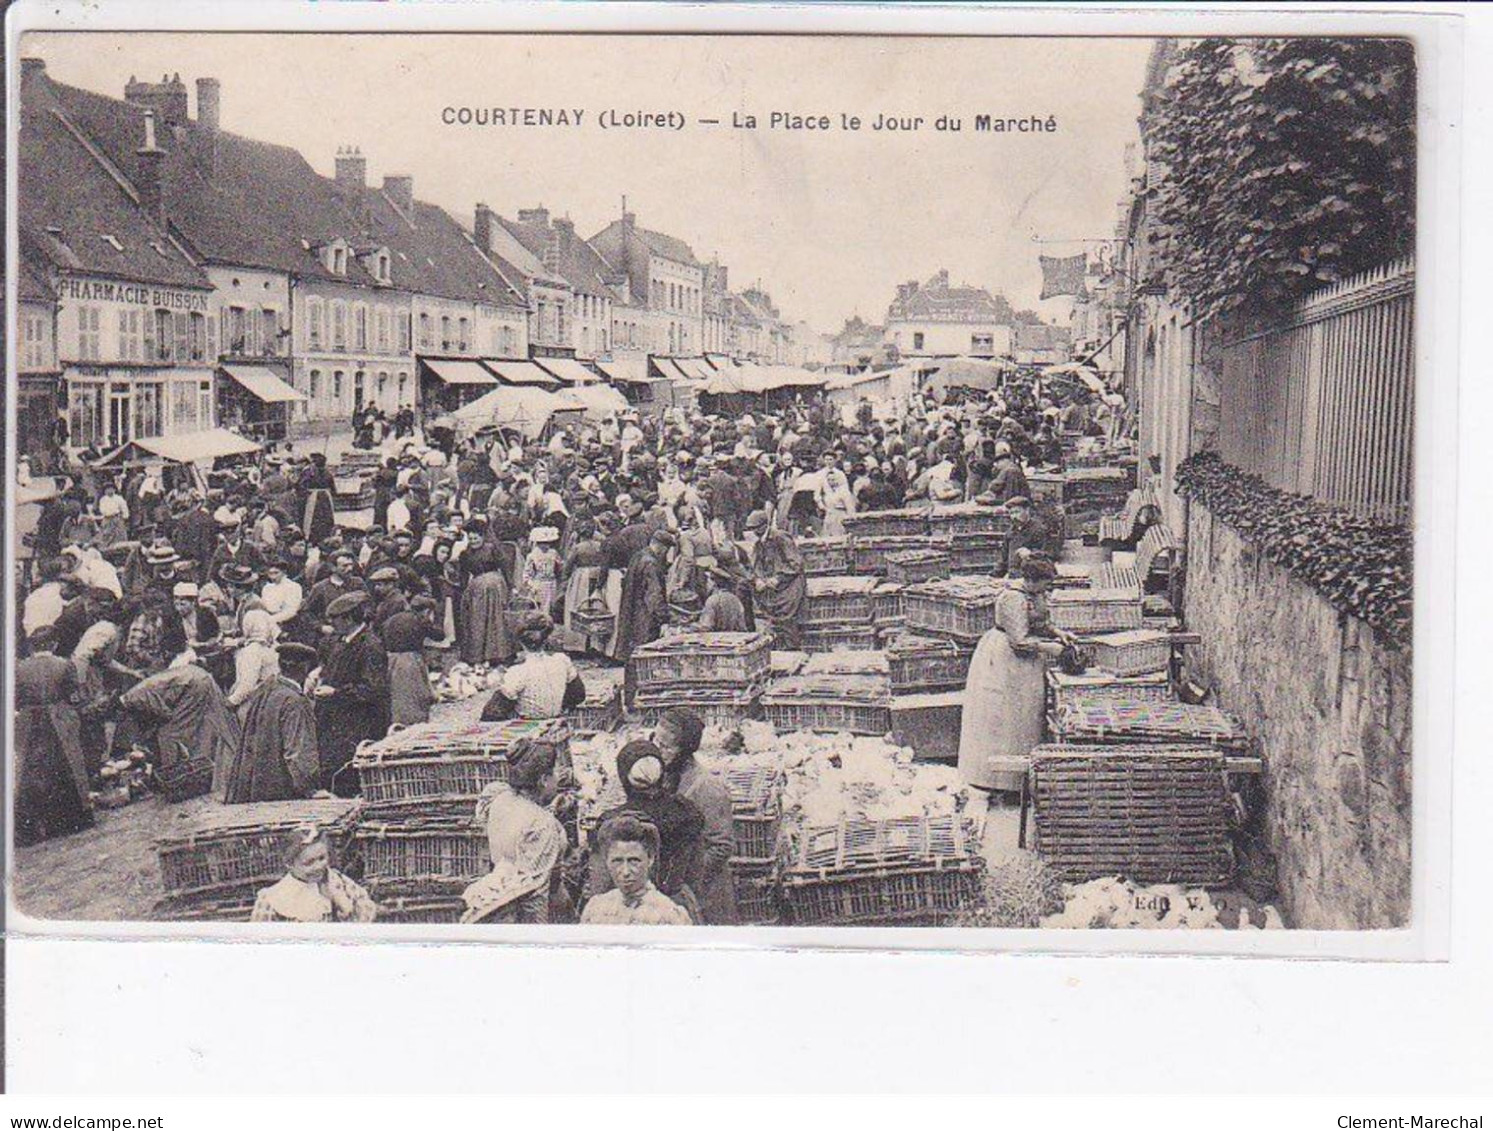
pixel 934 318
pixel 176 277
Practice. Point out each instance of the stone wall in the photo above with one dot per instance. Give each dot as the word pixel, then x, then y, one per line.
pixel 1329 704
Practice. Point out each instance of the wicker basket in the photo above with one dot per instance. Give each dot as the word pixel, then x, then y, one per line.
pixel 1112 720
pixel 912 871
pixel 1137 652
pixel 185 778
pixel 854 703
pixel 981 555
pixel 1088 611
pixel 889 523
pixel 846 663
pixel 757 892
pixel 1067 690
pixel 593 618
pixel 886 604
pixel 434 762
pixel 229 850
pixel 1116 578
pixel 868 554
pixel 961 607
pixel 835 638
pixel 719 658
pixel 726 707
pixel 423 849
pixel 1151 814
pixel 969 518
pixel 839 600
pixel 1045 486
pixel 756 812
pixel 908 567
pixel 825 556
pixel 925 663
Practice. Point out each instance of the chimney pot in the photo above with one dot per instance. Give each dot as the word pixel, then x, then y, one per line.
pixel 352 169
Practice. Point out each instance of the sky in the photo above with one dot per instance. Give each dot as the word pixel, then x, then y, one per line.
pixel 827 221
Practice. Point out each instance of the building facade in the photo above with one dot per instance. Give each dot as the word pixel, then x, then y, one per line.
pixel 934 319
pixel 666 284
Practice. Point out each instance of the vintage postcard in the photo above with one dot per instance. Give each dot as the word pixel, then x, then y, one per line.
pixel 663 487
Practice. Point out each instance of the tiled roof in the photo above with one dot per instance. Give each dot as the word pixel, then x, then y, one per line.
pixel 964 304
pixel 667 246
pixel 433 254
pixel 1040 337
pixel 32 284
pixel 75 214
pixel 580 265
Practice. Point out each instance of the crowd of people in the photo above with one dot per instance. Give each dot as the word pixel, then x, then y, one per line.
pixel 229 620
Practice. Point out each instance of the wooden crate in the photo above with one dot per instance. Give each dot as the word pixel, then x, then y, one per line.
pixel 961 607
pixel 756 812
pixel 437 762
pixel 1153 815
pixel 875 524
pixel 869 554
pixel 725 707
pixel 840 600
pixel 825 556
pixel 858 704
pixel 908 567
pixel 705 658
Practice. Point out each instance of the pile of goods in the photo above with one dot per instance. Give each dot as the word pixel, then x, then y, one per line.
pixel 462 681
pixel 419 835
pixel 214 862
pixel 960 608
pixel 868 836
pixel 756 814
pixel 718 674
pixel 856 704
pixel 593 762
pixel 839 612
pixel 1120 904
pixel 122 780
pixel 908 567
pixel 602 708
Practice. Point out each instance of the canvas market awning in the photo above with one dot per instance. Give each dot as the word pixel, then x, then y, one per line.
pixel 264 384
pixel 521 373
pixel 458 372
pixel 189 447
pixel 568 369
pixel 600 401
pixel 520 408
pixel 628 371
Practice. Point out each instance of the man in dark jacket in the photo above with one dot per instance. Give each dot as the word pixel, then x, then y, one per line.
pixel 352 693
pixel 278 757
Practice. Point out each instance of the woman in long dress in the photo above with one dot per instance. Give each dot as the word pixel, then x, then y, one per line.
pixel 485 635
pixel 1005 690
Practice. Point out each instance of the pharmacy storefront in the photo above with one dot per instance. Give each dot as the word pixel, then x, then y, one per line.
pixel 108 406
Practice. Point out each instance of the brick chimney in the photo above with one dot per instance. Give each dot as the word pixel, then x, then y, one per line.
pixel 168 98
pixel 629 220
pixel 148 180
pixel 482 227
pixel 32 67
pixel 400 189
pixel 352 168
pixel 564 237
pixel 209 98
pixel 539 217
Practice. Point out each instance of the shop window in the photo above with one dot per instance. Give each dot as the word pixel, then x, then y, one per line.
pixel 147 409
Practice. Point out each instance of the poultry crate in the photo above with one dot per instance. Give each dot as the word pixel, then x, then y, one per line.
pixel 756 812
pixel 225 852
pixel 969 518
pixel 825 556
pixel 926 663
pixel 1149 814
pixel 908 567
pixel 436 762
pixel 706 658
pixel 601 711
pixel 857 704
pixel 726 707
pixel 915 870
pixel 1138 651
pixel 1112 720
pixel 888 523
pixel 887 609
pixel 840 600
pixel 1067 689
pixel 757 893
pixel 982 555
pixel 837 638
pixel 1090 611
pixel 961 607
pixel 424 849
pixel 868 554
pixel 845 663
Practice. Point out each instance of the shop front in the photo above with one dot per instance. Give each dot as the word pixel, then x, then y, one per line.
pixel 109 406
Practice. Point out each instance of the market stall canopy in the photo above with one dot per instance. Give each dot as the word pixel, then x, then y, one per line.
pixel 666 366
pixel 599 401
pixel 1085 373
pixel 695 368
pixel 458 372
pixel 568 369
pixel 521 373
pixel 188 448
pixel 522 408
pixel 969 373
pixel 264 384
pixel 628 371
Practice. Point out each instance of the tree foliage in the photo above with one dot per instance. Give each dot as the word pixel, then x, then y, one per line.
pixel 1286 164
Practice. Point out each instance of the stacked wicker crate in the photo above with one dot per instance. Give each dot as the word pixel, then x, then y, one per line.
pixel 419 836
pixel 857 703
pixel 977 537
pixel 1090 494
pixel 824 557
pixel 756 815
pixel 214 862
pixel 839 612
pixel 602 708
pixel 901 522
pixel 908 871
pixel 961 609
pixel 718 674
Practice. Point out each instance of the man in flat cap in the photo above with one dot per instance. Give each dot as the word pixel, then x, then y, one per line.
pixel 278 758
pixel 644 604
pixel 388 596
pixel 352 692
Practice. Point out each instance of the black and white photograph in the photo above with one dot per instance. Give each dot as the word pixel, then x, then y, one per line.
pixel 483 483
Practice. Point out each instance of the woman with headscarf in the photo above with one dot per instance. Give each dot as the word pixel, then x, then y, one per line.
pixel 524 840
pixel 779 585
pixel 681 827
pixel 484 634
pixel 1005 690
pixel 114 516
pixel 256 661
pixel 96 674
pixel 312 890
pixel 190 720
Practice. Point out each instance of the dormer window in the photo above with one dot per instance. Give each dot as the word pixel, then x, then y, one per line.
pixel 339 261
pixel 383 267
